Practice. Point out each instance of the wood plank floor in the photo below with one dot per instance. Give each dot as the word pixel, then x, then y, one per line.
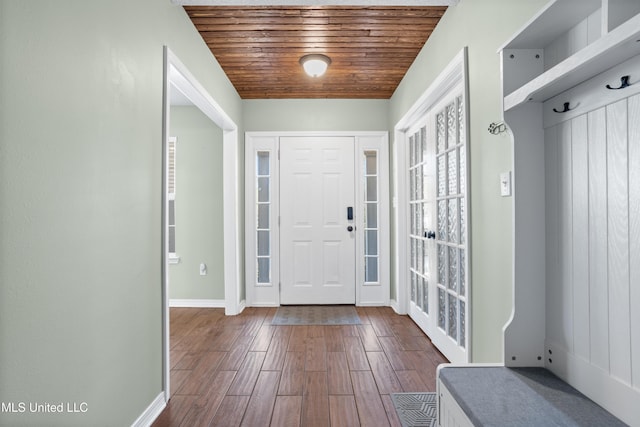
pixel 243 371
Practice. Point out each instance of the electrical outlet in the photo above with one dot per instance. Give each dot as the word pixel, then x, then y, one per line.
pixel 505 184
pixel 203 269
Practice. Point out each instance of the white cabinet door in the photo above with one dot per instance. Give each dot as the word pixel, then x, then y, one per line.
pixel 317 252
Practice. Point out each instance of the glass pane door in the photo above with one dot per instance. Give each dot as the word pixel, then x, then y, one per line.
pixel 421 206
pixel 451 236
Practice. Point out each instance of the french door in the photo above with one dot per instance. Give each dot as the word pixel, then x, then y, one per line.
pixel 317 232
pixel 438 231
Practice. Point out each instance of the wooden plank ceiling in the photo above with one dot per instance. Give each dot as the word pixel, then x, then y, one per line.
pixel 259 47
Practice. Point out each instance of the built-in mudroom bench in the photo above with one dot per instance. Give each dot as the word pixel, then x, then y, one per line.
pixel 571 84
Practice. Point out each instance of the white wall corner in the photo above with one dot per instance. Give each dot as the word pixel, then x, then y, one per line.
pixel 152 412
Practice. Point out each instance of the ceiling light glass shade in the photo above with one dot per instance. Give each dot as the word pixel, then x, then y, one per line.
pixel 315 65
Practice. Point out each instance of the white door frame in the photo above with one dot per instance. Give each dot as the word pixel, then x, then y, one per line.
pixel 176 74
pixel 373 294
pixel 451 76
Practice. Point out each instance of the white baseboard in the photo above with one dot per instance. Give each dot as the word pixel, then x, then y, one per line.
pixel 151 413
pixel 394 304
pixel 197 303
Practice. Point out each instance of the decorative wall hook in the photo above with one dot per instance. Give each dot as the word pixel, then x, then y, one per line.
pixel 624 82
pixel 497 128
pixel 565 108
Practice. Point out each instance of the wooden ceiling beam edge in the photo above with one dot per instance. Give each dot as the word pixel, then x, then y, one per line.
pixel 316 2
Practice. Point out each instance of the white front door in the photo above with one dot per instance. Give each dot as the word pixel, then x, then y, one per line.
pixel 317 238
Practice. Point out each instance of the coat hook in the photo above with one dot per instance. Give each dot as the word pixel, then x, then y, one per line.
pixel 565 108
pixel 497 128
pixel 624 82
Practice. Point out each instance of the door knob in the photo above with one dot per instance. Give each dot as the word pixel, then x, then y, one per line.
pixel 350 228
pixel 429 234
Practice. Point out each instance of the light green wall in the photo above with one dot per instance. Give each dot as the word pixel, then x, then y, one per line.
pixel 316 115
pixel 80 190
pixel 199 223
pixel 483 26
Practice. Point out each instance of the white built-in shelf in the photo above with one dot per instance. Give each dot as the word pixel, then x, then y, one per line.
pixel 566 43
pixel 555 19
pixel 604 53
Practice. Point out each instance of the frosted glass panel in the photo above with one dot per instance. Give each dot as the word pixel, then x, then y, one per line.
pixel 426 215
pixel 463 224
pixel 442 308
pixel 442 220
pixel 453 269
pixel 172 239
pixel 423 142
pixel 263 189
pixel 413 253
pixel 453 316
pixel 263 270
pixel 371 269
pixel 442 263
pixel 419 255
pixel 371 162
pixel 463 325
pixel 462 271
pixel 425 296
pixel 453 172
pixel 453 220
pixel 263 163
pixel 441 132
pixel 461 130
pixel 263 243
pixel 419 292
pixel 425 254
pixel 419 182
pixel 452 125
pixel 371 242
pixel 412 151
pixel 413 287
pixel 372 189
pixel 462 169
pixel 442 183
pixel 263 216
pixel 372 215
pixel 172 212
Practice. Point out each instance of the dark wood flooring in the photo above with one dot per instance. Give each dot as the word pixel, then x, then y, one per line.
pixel 243 371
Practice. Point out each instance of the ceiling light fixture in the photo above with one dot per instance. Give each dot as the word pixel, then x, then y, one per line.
pixel 315 64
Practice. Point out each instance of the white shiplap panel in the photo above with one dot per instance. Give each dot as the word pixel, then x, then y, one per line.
pixel 634 234
pixel 553 290
pixel 618 242
pixel 566 242
pixel 598 265
pixel 580 236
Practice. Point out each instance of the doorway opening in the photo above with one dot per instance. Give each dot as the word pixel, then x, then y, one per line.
pixel 179 81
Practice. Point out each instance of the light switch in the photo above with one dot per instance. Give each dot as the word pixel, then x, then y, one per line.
pixel 203 269
pixel 505 184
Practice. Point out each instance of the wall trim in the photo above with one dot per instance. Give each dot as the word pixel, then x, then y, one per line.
pixel 152 412
pixel 197 303
pixel 394 304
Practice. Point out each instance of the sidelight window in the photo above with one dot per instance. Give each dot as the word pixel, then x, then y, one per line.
pixel 263 217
